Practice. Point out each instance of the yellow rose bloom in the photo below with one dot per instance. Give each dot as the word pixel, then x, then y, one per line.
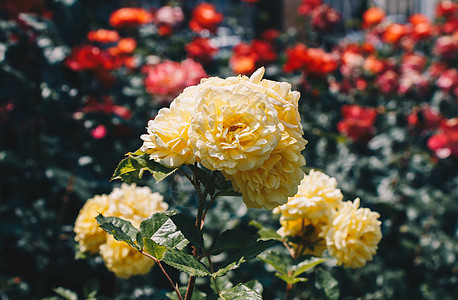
pixel 316 199
pixel 304 215
pixel 235 128
pixel 134 203
pixel 353 235
pixel 88 233
pixel 129 202
pixel 271 184
pixel 123 260
pixel 246 127
pixel 167 141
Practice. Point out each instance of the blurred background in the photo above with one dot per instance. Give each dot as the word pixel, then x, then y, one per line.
pixel 79 80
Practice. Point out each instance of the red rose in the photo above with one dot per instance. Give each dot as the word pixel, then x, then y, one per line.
pixel 201 50
pixel 357 123
pixel 205 16
pixel 130 16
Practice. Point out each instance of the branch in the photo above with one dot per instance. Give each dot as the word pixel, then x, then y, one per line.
pixel 158 262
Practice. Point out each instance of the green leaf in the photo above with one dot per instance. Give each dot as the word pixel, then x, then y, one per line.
pixel 189 230
pixel 328 284
pixel 161 229
pixel 131 169
pixel 154 249
pixel 240 292
pixel 122 230
pixel 290 279
pixel 185 262
pixel 232 266
pixel 278 261
pixel 251 251
pixel 231 239
pixel 307 265
pixel 264 233
pixel 255 285
pixel 66 293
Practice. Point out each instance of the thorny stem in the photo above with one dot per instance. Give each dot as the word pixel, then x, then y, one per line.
pixel 158 262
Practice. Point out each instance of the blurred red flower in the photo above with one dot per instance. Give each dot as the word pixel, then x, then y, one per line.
pixel 169 15
pixel 201 50
pixel 358 122
pixel 103 36
pixel 247 57
pixel 166 18
pixel 168 79
pixel 394 32
pixel 446 9
pixel 324 18
pixel 388 82
pixel 130 16
pixel 446 47
pixel 314 61
pixel 295 58
pixel 89 57
pixel 99 132
pixel 107 106
pixel 124 46
pixel 307 6
pixel 205 16
pixel 373 65
pixel 270 35
pixel 448 81
pixel 413 62
pixel 373 16
pixel 424 118
pixel 445 142
pixel 422 27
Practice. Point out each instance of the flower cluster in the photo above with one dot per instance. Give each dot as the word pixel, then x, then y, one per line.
pixel 129 202
pixel 316 219
pixel 246 127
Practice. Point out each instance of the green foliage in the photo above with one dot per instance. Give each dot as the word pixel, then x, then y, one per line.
pixel 131 169
pixel 285 267
pixel 239 292
pixel 122 230
pixel 185 262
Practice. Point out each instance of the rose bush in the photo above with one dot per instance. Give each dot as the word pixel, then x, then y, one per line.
pixel 78 89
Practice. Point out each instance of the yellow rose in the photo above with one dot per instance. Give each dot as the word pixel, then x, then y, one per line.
pixel 353 235
pixel 246 127
pixel 234 128
pixel 88 233
pixel 135 203
pixel 316 199
pixel 123 260
pixel 305 214
pixel 271 184
pixel 129 202
pixel 167 141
